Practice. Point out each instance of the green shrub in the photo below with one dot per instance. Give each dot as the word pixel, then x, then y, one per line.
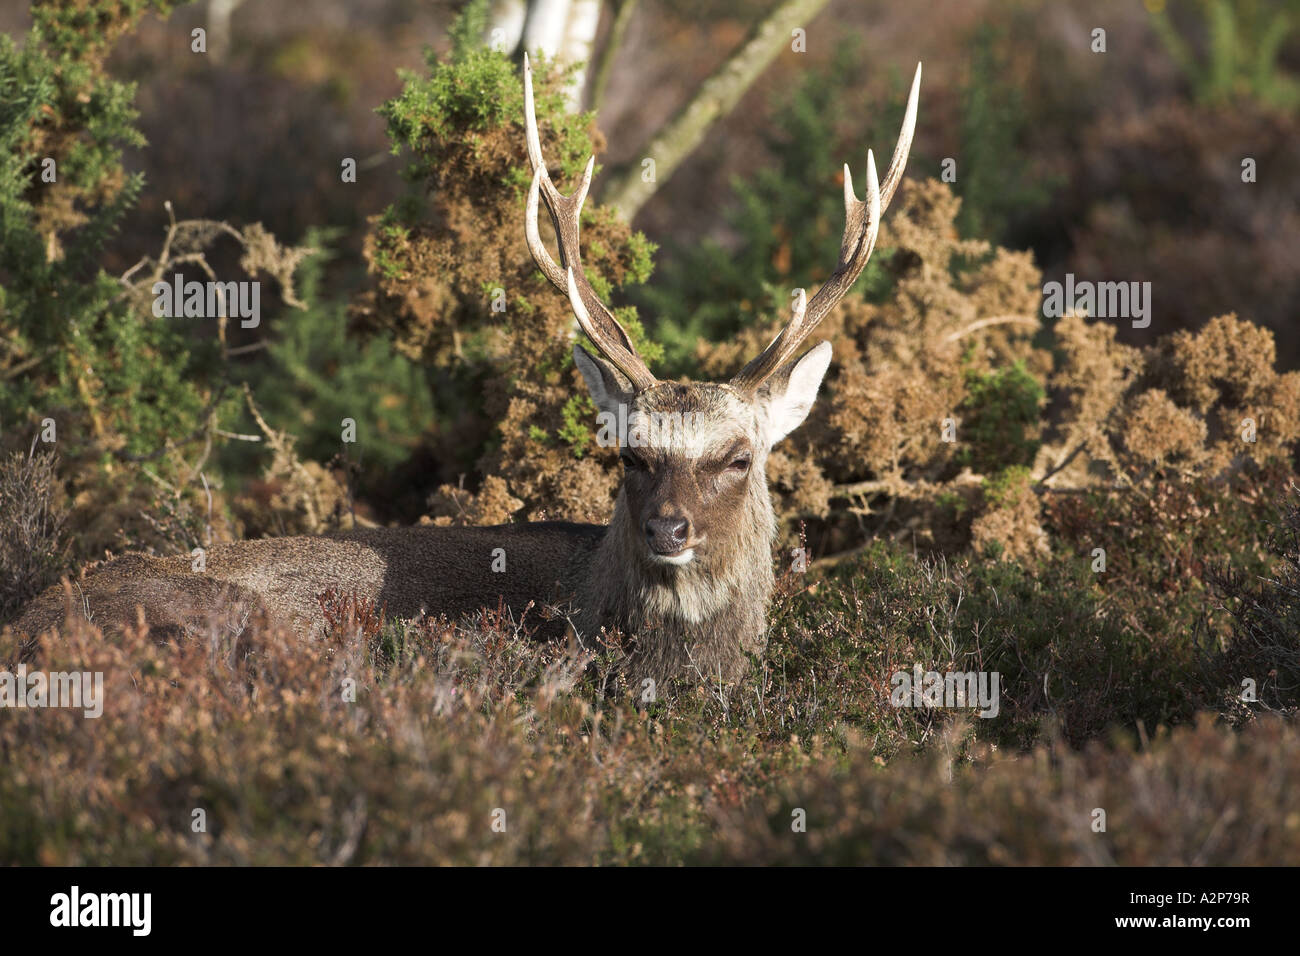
pixel 1003 418
pixel 116 382
pixel 456 288
pixel 316 374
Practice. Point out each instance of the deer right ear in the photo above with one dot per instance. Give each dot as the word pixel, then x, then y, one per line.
pixel 789 394
pixel 608 389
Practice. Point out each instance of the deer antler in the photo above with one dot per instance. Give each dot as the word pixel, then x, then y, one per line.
pixel 861 224
pixel 596 320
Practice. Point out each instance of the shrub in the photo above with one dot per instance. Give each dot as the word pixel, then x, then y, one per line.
pixel 73 349
pixel 134 398
pixel 33 546
pixel 456 288
pixel 467 744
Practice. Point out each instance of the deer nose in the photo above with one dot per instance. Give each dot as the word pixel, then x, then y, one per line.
pixel 667 535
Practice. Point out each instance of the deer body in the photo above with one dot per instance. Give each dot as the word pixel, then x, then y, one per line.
pixel 407 571
pixel 709 622
pixel 685 565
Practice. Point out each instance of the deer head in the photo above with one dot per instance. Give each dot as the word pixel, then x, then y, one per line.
pixel 694 454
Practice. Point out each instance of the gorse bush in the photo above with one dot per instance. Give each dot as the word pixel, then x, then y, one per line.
pixel 72 346
pixel 132 399
pixel 952 380
pixel 941 374
pixel 117 387
pixel 456 288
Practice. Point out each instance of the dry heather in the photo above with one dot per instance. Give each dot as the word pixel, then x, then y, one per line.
pixel 469 745
pixel 415 742
pixel 33 552
pixel 435 742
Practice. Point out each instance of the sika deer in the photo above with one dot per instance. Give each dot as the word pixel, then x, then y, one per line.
pixel 684 567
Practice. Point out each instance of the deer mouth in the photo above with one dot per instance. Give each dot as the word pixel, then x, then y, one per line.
pixel 678 558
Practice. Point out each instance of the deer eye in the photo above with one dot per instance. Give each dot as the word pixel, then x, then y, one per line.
pixel 739 464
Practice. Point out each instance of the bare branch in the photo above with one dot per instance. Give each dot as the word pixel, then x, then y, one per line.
pixel 994 320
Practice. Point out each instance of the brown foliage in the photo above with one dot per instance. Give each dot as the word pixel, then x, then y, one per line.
pixel 1194 404
pixel 435 289
pixel 874 440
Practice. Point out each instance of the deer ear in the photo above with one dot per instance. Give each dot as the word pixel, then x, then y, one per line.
pixel 608 388
pixel 789 394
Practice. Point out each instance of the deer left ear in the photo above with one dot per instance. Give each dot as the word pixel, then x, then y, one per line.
pixel 789 394
pixel 608 389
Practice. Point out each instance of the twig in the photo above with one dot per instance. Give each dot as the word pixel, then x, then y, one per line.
pixel 245 349
pixel 16 370
pixel 1064 462
pixel 985 323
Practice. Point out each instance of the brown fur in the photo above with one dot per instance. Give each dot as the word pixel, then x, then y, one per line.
pixel 408 571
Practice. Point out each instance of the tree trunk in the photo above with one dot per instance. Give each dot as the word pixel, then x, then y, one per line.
pixel 627 188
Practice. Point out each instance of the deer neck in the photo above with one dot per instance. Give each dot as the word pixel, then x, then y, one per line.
pixel 709 611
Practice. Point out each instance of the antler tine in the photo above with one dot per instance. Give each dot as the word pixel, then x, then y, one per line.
pixel 861 227
pixel 605 332
pixel 894 175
